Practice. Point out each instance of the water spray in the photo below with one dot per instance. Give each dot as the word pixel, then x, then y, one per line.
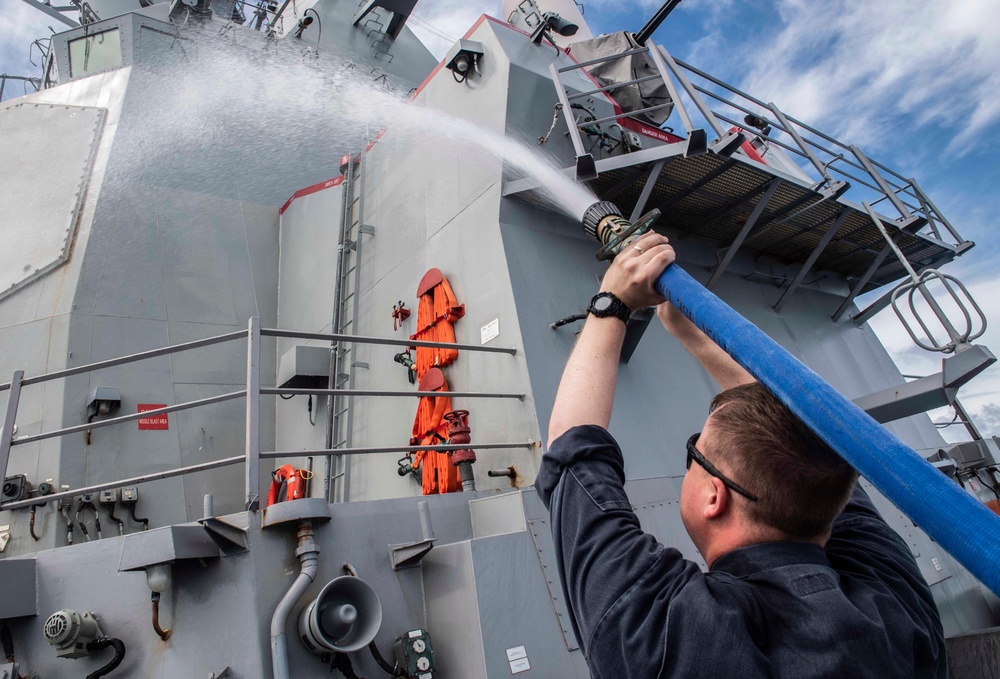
pixel 604 222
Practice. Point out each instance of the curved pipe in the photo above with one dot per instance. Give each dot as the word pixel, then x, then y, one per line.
pixel 31 524
pixel 104 642
pixel 962 525
pixel 160 632
pixel 308 553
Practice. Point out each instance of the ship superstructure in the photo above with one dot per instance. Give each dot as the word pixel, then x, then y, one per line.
pixel 227 290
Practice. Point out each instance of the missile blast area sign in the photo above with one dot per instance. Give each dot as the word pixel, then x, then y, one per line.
pixel 154 421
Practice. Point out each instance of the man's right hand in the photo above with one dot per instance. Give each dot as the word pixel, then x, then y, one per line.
pixel 724 370
pixel 633 273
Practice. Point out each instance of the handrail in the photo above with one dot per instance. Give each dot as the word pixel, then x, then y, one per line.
pixel 288 391
pixel 362 339
pixel 131 358
pixel 97 424
pixel 615 86
pixel 154 476
pixel 252 455
pixel 601 60
pixel 444 447
pixel 891 185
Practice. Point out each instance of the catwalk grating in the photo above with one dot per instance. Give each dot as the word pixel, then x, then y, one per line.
pixel 711 197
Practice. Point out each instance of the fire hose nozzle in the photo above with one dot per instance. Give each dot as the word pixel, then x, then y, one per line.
pixel 604 222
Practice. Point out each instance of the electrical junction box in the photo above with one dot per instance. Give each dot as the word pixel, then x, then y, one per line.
pixel 15 488
pixel 304 367
pixel 18 578
pixel 109 496
pixel 415 654
pixel 130 495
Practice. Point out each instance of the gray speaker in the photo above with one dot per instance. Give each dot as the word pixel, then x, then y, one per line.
pixel 345 617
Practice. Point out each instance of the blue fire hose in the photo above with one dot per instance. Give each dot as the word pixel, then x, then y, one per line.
pixel 965 527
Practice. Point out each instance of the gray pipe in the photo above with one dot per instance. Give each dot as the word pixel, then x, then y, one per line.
pixel 308 553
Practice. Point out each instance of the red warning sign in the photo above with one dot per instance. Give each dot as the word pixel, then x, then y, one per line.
pixel 154 422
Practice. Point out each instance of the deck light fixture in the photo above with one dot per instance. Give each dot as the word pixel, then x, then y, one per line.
pixel 758 122
pixel 301 26
pixel 463 58
pixel 553 22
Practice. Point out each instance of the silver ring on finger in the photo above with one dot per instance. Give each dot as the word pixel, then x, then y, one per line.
pixel 636 247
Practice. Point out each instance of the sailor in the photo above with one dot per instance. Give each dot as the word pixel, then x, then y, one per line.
pixel 805 578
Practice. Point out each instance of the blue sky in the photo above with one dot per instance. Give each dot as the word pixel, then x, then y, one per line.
pixel 912 82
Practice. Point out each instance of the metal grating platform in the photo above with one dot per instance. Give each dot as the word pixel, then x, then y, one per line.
pixel 711 197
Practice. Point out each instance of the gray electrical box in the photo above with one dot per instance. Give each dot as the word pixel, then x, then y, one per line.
pixel 975 453
pixel 304 366
pixel 18 578
pixel 15 488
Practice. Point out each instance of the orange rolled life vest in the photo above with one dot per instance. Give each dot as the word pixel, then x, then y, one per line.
pixel 437 311
pixel 437 473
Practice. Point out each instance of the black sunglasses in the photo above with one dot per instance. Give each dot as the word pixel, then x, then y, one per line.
pixel 695 455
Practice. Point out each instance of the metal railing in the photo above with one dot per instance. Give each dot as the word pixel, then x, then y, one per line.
pixel 252 454
pixel 824 159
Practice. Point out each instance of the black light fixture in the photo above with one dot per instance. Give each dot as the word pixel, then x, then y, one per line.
pixel 100 402
pixel 758 122
pixel 464 58
pixel 553 22
pixel 304 22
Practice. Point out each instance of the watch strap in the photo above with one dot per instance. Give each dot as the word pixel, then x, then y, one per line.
pixel 616 307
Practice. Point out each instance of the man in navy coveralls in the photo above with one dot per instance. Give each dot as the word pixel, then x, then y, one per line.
pixel 805 577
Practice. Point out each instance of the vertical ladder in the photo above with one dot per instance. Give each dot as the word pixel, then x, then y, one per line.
pixel 347 298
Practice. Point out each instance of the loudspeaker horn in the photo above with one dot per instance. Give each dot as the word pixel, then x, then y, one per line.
pixel 345 617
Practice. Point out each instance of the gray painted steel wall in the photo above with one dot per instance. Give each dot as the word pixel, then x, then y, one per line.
pixel 178 240
pixel 177 251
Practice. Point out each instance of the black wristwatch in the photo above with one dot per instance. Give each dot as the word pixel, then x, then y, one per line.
pixel 606 304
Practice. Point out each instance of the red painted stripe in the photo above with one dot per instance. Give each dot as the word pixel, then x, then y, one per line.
pixel 749 148
pixel 329 183
pixel 625 122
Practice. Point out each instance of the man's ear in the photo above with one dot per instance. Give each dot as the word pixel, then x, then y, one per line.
pixel 717 500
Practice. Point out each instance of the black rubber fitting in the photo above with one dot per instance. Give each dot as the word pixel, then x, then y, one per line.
pixel 595 213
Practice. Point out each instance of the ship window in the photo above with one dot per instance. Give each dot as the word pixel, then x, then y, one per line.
pixel 93 53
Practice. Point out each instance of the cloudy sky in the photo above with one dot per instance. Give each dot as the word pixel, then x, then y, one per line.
pixel 913 82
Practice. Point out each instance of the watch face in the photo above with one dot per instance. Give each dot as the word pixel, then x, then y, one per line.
pixel 602 303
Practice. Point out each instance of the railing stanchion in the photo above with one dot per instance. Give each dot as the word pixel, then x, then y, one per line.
pixel 253 415
pixel 8 421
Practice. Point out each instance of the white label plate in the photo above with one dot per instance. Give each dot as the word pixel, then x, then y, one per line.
pixel 516 653
pixel 518 666
pixel 489 331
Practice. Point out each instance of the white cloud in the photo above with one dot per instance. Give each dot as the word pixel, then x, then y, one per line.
pixel 856 67
pixel 20 25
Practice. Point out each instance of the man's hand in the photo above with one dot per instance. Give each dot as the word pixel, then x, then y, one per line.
pixel 635 270
pixel 726 372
